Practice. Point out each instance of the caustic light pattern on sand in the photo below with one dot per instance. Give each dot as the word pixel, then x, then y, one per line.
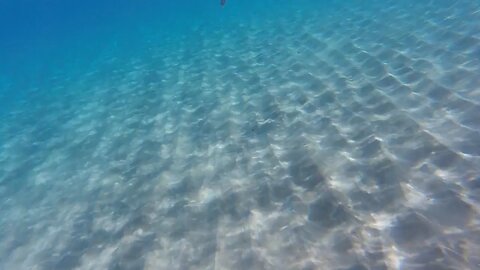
pixel 340 140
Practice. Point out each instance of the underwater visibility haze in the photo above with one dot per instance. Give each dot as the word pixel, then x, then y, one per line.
pixel 244 134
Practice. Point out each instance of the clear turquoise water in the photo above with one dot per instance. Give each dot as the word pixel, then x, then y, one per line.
pixel 262 135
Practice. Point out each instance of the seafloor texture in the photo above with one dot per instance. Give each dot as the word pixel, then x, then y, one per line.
pixel 340 140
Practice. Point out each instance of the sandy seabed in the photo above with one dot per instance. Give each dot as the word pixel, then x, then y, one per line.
pixel 342 141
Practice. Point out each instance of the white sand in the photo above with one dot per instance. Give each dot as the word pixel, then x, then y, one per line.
pixel 341 141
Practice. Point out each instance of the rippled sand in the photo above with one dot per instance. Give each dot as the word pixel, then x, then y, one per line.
pixel 311 142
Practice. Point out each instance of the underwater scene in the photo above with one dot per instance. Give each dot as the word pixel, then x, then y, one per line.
pixel 240 134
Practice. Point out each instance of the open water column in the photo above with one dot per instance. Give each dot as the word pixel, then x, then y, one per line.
pixel 154 134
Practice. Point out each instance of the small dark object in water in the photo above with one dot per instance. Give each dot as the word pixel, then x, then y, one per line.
pixel 222 2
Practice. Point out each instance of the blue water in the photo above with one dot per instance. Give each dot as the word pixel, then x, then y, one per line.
pixel 261 135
